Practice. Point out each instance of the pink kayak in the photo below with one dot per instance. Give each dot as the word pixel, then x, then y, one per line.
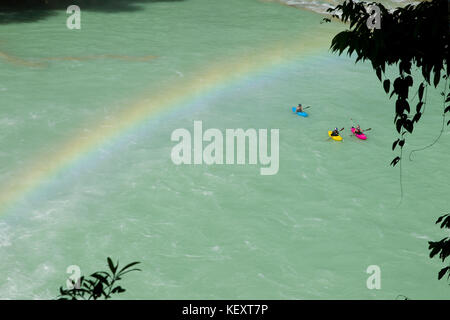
pixel 361 136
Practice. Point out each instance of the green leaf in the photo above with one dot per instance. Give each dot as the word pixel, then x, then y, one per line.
pixel 434 249
pixel 443 272
pixel 419 106
pixel 395 161
pixel 445 221
pixel 395 144
pixel 399 125
pixel 378 72
pixel 111 265
pixel 386 85
pixel 439 219
pixel 421 87
pixel 125 272
pixel 409 126
pixel 409 81
pixel 129 266
pixel 437 77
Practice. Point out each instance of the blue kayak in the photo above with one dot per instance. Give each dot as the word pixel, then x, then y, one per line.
pixel 303 114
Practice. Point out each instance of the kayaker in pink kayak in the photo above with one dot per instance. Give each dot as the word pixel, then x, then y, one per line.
pixel 358 130
pixel 359 133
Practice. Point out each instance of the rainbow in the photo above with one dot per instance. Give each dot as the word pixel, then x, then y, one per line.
pixel 180 92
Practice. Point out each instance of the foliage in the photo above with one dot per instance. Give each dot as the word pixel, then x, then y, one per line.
pixel 100 285
pixel 442 248
pixel 413 36
pixel 416 35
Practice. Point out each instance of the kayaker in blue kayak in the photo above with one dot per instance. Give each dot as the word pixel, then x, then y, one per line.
pixel 299 108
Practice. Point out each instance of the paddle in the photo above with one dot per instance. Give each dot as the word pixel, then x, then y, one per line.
pixel 305 108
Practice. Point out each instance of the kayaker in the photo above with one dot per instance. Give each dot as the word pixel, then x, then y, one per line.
pixel 299 108
pixel 335 132
pixel 358 130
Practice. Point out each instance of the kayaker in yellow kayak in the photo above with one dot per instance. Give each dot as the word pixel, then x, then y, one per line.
pixel 335 132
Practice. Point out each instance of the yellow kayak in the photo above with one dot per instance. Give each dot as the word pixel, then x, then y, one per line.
pixel 337 138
